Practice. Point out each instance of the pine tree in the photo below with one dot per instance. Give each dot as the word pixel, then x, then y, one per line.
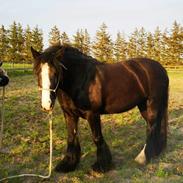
pixel 103 46
pixel 54 36
pixel 3 44
pixel 132 45
pixel 13 44
pixel 149 46
pixel 120 48
pixel 86 43
pixel 176 43
pixel 141 43
pixel 81 41
pixel 78 40
pixel 65 39
pixel 37 39
pixel 20 43
pixel 165 58
pixel 28 43
pixel 157 44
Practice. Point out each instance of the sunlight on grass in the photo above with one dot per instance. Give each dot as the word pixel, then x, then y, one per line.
pixel 27 138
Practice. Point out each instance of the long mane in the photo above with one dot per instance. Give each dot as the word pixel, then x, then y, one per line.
pixel 69 53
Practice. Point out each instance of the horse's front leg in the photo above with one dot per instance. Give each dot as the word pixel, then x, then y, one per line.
pixel 104 157
pixel 73 152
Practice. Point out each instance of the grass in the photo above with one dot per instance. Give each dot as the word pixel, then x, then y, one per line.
pixel 26 137
pixel 8 65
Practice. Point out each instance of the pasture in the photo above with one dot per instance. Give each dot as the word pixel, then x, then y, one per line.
pixel 26 137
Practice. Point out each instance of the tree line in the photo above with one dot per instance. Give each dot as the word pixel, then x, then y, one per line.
pixel 164 46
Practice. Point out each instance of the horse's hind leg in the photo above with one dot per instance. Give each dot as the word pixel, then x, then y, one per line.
pixel 104 157
pixel 72 157
pixel 155 113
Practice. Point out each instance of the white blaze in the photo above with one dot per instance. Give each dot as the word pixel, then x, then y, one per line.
pixel 141 158
pixel 45 100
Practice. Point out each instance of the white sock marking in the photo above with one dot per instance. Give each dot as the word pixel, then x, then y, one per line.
pixel 46 101
pixel 141 158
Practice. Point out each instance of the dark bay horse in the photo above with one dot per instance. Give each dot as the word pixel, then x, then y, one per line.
pixel 87 88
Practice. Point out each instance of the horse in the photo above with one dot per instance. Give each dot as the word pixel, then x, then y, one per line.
pixel 4 79
pixel 88 88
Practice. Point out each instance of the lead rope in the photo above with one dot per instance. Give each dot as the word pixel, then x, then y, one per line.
pixel 2 119
pixel 51 146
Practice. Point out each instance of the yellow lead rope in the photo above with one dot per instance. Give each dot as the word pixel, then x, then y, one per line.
pixel 2 119
pixel 51 147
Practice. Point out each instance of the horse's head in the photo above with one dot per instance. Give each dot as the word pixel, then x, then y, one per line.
pixel 48 68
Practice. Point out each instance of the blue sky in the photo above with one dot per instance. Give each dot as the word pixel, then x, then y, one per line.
pixel 69 15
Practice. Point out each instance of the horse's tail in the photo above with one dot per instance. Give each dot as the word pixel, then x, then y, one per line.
pixel 164 122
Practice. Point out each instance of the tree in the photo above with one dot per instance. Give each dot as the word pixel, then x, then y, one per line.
pixel 175 43
pixel 54 36
pixel 149 45
pixel 13 43
pixel 157 44
pixel 141 43
pixel 3 44
pixel 86 43
pixel 103 46
pixel 165 58
pixel 28 43
pixel 78 40
pixel 81 41
pixel 65 39
pixel 132 45
pixel 120 48
pixel 37 39
pixel 20 43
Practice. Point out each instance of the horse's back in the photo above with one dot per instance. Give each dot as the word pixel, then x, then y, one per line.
pixel 156 74
pixel 126 84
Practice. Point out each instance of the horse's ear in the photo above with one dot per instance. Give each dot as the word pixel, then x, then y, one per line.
pixel 35 53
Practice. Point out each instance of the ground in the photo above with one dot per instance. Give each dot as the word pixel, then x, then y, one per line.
pixel 26 138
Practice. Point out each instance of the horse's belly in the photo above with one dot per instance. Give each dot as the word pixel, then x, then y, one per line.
pixel 120 99
pixel 121 105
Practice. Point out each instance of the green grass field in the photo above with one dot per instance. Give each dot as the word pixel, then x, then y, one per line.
pixel 26 137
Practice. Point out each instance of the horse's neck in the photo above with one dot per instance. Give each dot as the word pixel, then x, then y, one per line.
pixel 76 74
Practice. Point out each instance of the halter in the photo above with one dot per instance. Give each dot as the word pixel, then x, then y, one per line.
pixel 49 89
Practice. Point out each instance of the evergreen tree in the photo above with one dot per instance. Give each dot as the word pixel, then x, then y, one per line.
pixel 86 43
pixel 157 45
pixel 13 44
pixel 28 43
pixel 132 45
pixel 120 48
pixel 37 39
pixel 78 40
pixel 54 36
pixel 3 44
pixel 82 41
pixel 149 46
pixel 141 43
pixel 103 46
pixel 65 39
pixel 175 43
pixel 165 58
pixel 20 43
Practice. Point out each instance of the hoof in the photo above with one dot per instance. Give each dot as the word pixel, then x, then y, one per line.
pixel 66 166
pixel 97 167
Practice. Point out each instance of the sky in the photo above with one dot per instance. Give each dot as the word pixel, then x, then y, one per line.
pixel 70 15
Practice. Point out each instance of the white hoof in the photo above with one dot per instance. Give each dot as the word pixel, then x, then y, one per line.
pixel 141 158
